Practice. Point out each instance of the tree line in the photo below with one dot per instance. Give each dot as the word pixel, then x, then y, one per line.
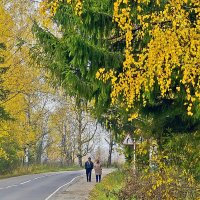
pixel 135 62
pixel 39 121
pixel 139 62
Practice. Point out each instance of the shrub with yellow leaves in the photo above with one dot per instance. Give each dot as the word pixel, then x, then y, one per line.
pixel 164 181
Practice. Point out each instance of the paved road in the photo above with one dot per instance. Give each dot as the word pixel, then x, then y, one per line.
pixel 36 186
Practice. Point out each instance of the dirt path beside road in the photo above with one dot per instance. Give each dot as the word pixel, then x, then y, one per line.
pixel 80 189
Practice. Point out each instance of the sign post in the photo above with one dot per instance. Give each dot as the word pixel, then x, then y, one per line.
pixel 129 141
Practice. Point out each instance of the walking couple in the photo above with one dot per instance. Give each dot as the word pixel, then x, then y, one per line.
pixel 97 168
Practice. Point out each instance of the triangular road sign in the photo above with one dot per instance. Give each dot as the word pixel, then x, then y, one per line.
pixel 128 140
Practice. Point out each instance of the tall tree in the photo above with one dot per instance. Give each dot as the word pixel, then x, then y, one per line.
pixel 25 87
pixel 136 26
pixel 72 129
pixel 6 25
pixel 148 50
pixel 80 47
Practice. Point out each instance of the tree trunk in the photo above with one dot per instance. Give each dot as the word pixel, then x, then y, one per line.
pixel 26 156
pixel 80 162
pixel 39 152
pixel 110 151
pixel 110 156
pixel 80 137
pixel 64 148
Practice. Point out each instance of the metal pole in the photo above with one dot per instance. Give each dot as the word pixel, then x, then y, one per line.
pixel 150 156
pixel 134 156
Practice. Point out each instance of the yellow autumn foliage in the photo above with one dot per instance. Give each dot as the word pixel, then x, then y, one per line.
pixel 5 37
pixel 172 49
pixel 21 82
pixel 49 8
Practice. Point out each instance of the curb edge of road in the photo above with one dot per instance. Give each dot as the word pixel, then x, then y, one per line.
pixel 74 180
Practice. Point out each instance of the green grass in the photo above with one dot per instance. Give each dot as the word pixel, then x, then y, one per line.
pixel 109 187
pixel 37 169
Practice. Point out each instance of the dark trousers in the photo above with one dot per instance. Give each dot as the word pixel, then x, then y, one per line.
pixel 88 174
pixel 98 178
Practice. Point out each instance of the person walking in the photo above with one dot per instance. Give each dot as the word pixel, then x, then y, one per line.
pixel 88 167
pixel 98 171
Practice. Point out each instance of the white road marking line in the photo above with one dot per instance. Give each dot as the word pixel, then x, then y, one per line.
pixel 25 182
pixel 39 177
pixel 22 183
pixel 62 187
pixel 8 187
pixel 11 186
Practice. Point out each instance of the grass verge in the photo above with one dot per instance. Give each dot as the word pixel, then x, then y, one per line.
pixel 37 169
pixel 109 188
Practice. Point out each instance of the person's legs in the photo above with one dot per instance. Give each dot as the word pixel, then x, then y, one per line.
pixel 90 173
pixel 97 178
pixel 87 175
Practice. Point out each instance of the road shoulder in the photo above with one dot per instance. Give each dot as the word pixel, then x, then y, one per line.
pixel 79 189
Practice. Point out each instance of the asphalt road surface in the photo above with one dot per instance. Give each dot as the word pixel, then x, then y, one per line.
pixel 36 186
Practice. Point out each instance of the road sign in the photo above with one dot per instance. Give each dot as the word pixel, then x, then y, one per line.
pixel 128 140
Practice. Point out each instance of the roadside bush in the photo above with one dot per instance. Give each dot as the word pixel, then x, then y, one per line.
pixel 109 188
pixel 11 161
pixel 166 183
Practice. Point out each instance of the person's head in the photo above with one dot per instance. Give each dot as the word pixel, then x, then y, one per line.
pixel 89 159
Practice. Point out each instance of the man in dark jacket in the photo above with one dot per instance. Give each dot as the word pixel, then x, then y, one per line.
pixel 89 166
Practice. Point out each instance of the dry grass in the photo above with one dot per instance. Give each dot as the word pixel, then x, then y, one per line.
pixel 37 169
